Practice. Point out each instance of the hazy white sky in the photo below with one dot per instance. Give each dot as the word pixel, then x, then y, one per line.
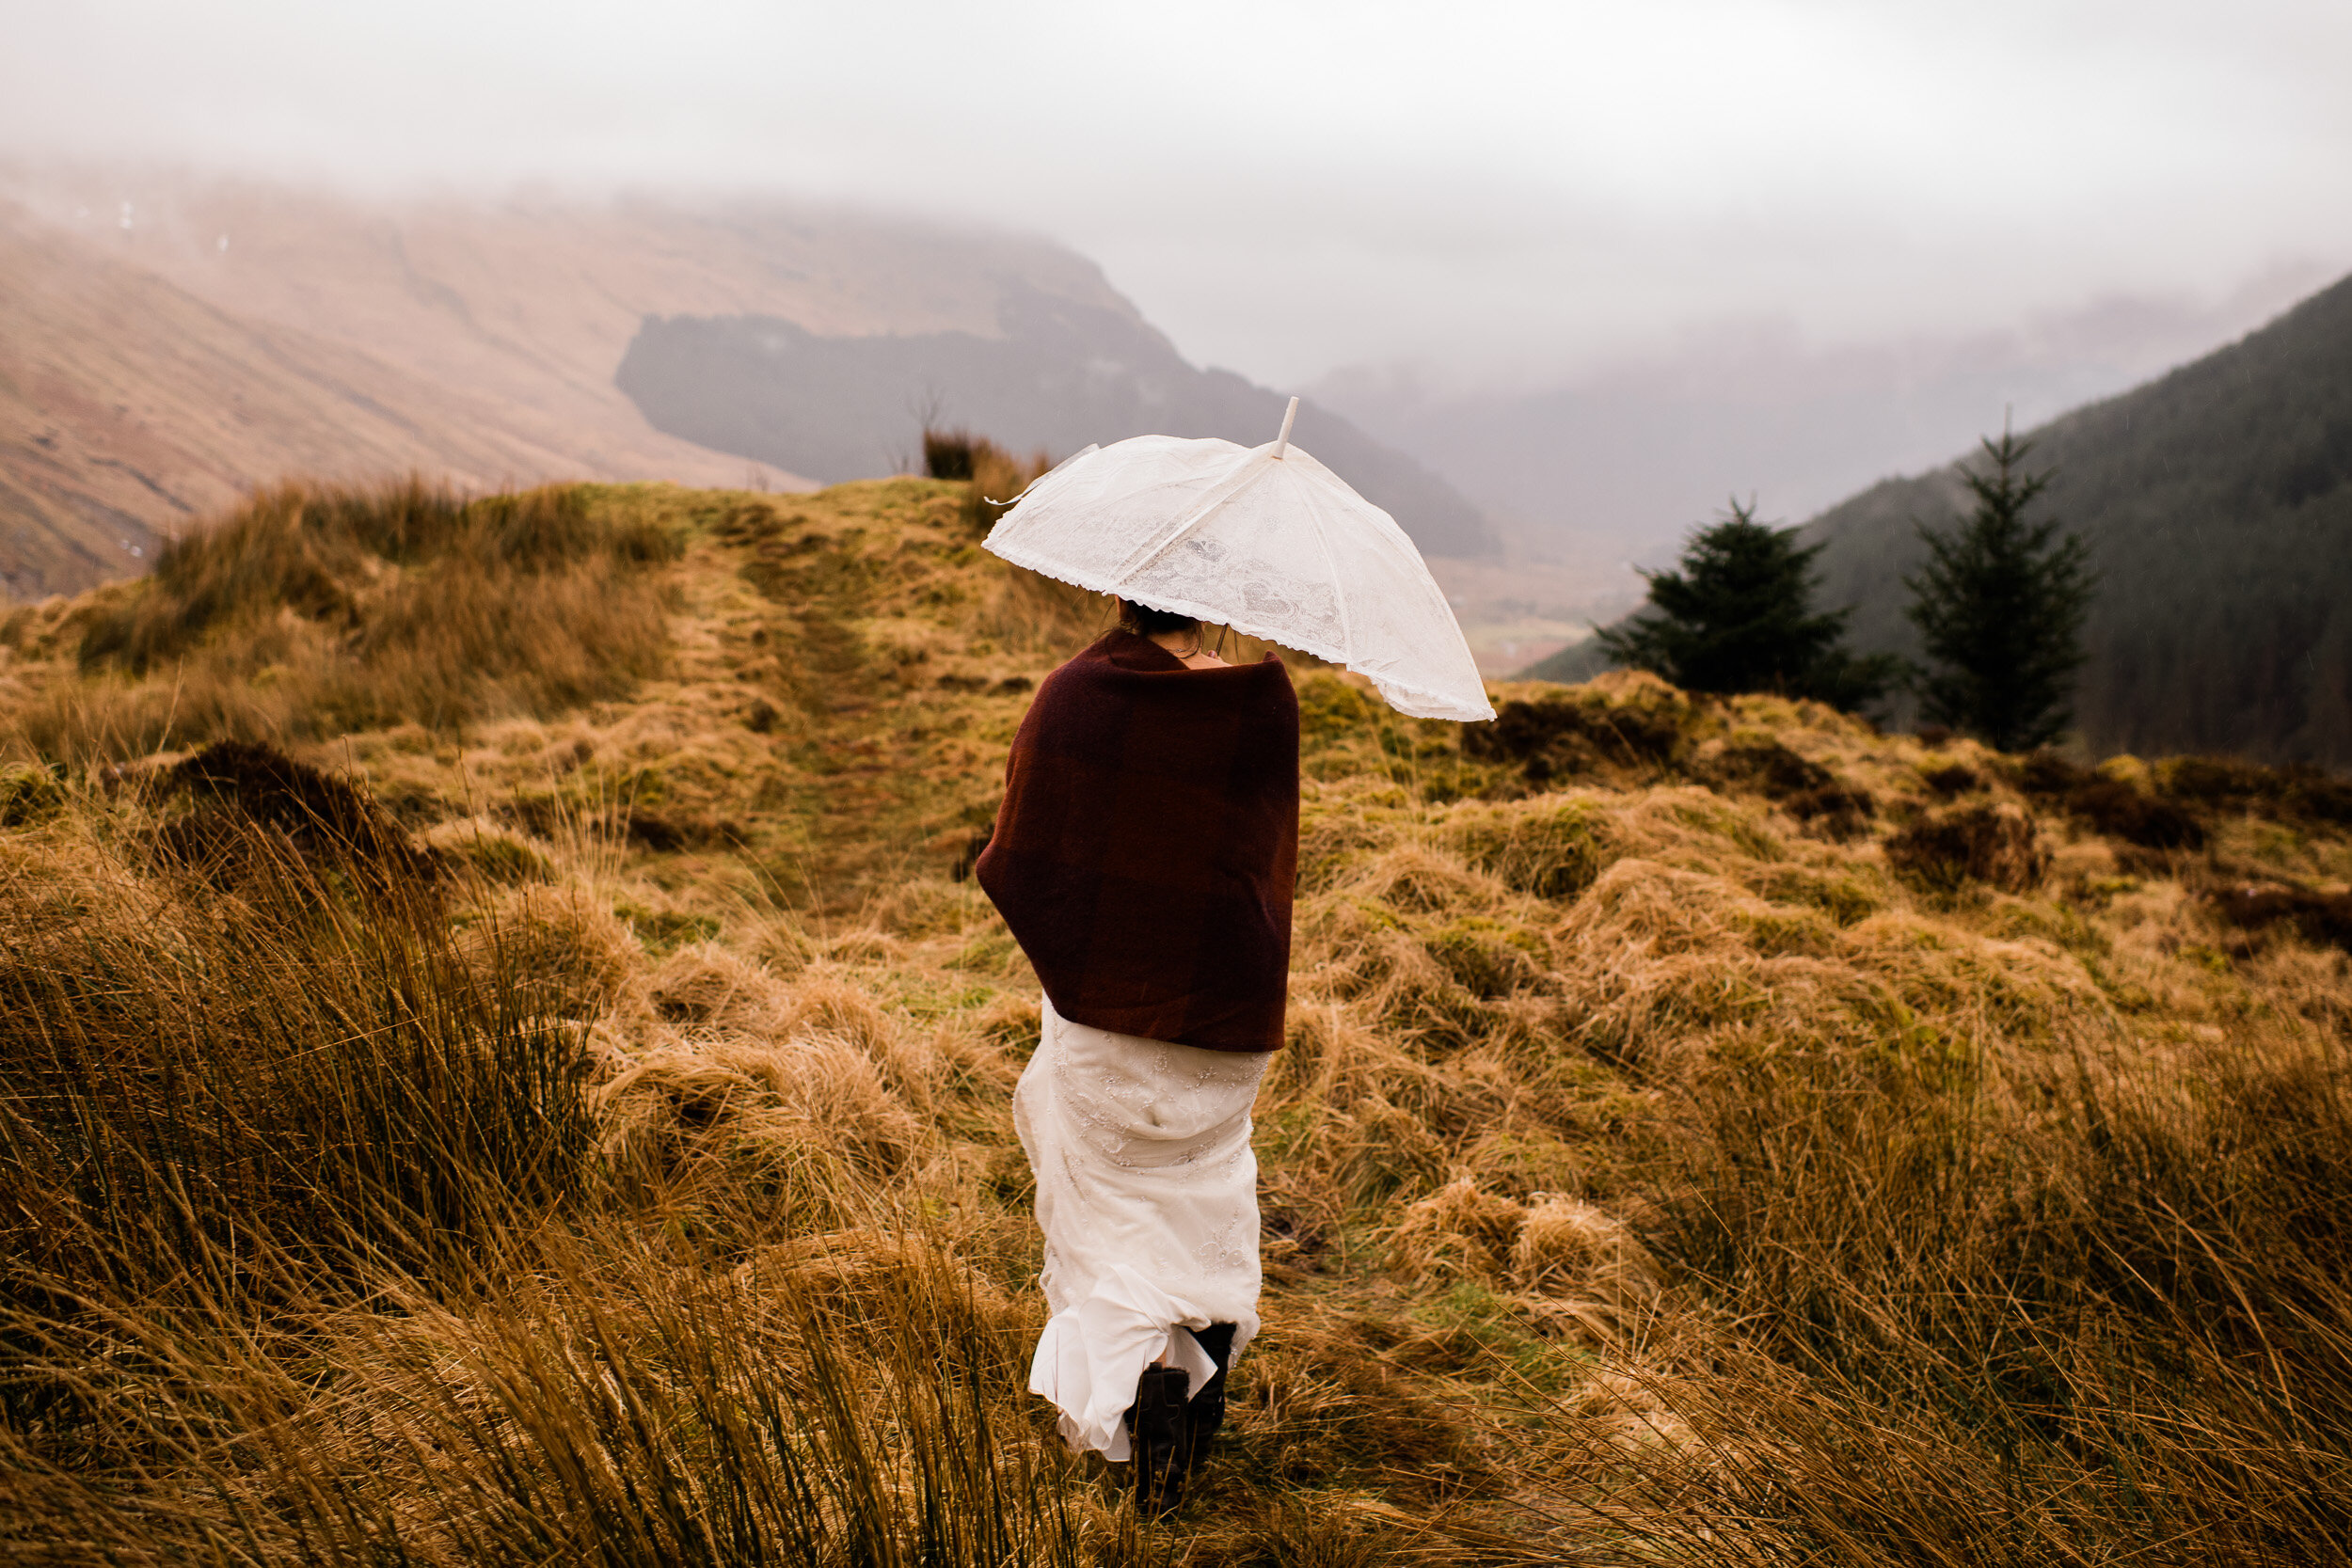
pixel 1288 185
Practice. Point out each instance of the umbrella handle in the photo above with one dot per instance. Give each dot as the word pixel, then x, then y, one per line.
pixel 1282 442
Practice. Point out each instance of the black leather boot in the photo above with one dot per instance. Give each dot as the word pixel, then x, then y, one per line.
pixel 1206 1411
pixel 1156 1432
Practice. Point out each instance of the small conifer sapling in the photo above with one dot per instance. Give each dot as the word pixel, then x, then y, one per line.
pixel 2000 606
pixel 1736 616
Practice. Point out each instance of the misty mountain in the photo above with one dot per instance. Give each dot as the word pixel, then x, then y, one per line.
pixel 132 409
pixel 170 341
pixel 1618 462
pixel 2218 505
pixel 1059 374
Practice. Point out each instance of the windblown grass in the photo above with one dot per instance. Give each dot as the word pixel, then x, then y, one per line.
pixel 1711 1132
pixel 314 612
pixel 2029 1328
pixel 315 1252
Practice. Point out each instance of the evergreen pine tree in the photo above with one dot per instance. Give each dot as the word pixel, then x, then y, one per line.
pixel 2000 606
pixel 1737 616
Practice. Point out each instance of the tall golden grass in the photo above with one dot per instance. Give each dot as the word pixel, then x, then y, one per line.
pixel 316 611
pixel 315 1252
pixel 1659 1169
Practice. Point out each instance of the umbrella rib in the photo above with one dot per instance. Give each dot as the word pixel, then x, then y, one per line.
pixel 1339 592
pixel 1152 550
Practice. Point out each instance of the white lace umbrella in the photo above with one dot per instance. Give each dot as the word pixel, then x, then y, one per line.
pixel 1264 540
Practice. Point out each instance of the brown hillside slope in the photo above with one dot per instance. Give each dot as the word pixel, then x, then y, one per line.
pixel 129 408
pixel 555 1107
pixel 345 339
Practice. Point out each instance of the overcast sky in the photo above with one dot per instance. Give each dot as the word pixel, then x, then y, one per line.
pixel 1288 186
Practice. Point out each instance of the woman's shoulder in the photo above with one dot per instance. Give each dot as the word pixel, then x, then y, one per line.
pixel 1118 652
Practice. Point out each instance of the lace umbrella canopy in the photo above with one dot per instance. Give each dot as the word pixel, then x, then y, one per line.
pixel 1264 540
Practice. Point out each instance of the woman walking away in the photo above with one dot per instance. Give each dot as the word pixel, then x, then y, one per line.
pixel 1143 858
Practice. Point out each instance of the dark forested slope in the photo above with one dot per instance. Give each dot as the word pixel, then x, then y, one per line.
pixel 1059 373
pixel 2218 505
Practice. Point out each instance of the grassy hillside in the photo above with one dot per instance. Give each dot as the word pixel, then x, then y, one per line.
pixel 501 1066
pixel 2218 503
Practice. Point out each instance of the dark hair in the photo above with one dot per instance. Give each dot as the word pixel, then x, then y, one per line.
pixel 1144 621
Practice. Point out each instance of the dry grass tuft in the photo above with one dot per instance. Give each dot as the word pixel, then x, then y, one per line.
pixel 1567 1247
pixel 1458 1230
pixel 1995 845
pixel 313 612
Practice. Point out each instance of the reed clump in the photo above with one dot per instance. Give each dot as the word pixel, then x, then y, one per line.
pixel 994 476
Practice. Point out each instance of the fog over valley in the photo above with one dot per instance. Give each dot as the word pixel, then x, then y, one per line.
pixel 1591 273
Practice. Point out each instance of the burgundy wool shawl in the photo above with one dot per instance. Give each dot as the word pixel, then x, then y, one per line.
pixel 1146 849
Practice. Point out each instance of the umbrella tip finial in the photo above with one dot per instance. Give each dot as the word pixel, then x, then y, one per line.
pixel 1282 442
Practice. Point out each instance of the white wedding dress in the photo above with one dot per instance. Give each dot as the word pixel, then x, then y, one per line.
pixel 1147 1192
